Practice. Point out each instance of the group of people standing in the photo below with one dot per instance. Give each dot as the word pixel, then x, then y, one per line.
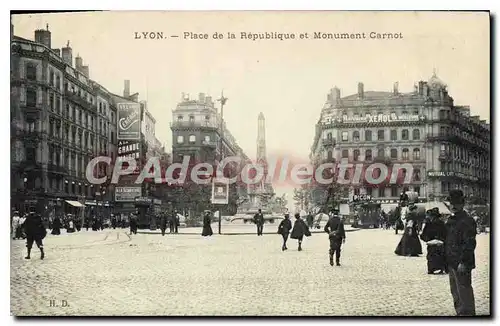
pixel 172 220
pixel 450 248
pixel 334 228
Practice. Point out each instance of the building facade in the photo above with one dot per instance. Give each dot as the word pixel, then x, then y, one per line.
pixel 198 132
pixel 446 147
pixel 60 120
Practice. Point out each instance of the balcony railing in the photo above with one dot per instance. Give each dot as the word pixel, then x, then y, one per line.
pixel 328 142
pixel 195 124
pixel 209 143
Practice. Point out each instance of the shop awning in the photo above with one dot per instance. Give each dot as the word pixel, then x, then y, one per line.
pixel 75 203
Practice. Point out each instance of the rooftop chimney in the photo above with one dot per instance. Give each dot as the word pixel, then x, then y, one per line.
pixel 85 71
pixel 67 55
pixel 395 88
pixel 208 100
pixel 201 97
pixel 43 36
pixel 78 62
pixel 57 51
pixel 126 89
pixel 361 91
pixel 421 88
pixel 335 93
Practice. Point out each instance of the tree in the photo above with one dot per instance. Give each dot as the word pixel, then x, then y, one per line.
pixel 301 197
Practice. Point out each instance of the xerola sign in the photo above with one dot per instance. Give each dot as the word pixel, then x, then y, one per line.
pixel 129 121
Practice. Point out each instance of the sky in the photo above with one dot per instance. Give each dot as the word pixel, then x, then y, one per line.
pixel 286 80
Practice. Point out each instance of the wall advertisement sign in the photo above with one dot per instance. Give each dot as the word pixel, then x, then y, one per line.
pixel 127 194
pixel 220 192
pixel 129 121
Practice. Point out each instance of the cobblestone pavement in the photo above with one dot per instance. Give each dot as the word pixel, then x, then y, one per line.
pixel 111 273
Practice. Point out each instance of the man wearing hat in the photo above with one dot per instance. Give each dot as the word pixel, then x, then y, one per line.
pixel 460 245
pixel 336 234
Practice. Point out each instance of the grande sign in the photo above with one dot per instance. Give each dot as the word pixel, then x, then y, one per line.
pixel 129 121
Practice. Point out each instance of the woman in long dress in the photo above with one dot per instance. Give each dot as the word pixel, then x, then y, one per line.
pixel 299 230
pixel 56 226
pixel 410 243
pixel 284 229
pixel 207 228
pixel 434 233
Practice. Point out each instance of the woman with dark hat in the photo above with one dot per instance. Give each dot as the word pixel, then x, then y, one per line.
pixel 434 234
pixel 284 229
pixel 299 230
pixel 207 228
pixel 410 243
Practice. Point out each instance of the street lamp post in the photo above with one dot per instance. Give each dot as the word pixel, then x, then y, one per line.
pixel 222 101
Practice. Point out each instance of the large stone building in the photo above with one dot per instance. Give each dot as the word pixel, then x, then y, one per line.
pixel 60 120
pixel 196 132
pixel 446 146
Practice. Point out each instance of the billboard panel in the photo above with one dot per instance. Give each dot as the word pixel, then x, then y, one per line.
pixel 220 192
pixel 129 121
pixel 127 194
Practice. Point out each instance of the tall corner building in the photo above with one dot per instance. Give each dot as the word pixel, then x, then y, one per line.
pixel 60 120
pixel 199 132
pixel 447 147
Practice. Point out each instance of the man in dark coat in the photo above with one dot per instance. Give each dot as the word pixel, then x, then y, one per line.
pixel 434 233
pixel 133 224
pixel 35 232
pixel 460 245
pixel 171 221
pixel 176 222
pixel 259 221
pixel 299 230
pixel 336 233
pixel 284 229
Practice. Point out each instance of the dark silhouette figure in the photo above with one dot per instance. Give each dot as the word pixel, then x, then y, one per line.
pixel 163 224
pixel 259 221
pixel 207 228
pixel 299 230
pixel 56 226
pixel 35 232
pixel 410 245
pixel 336 234
pixel 460 245
pixel 284 229
pixel 434 233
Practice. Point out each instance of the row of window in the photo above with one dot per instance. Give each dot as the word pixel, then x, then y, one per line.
pixel 358 114
pixel 465 169
pixel 475 191
pixel 191 139
pixel 405 135
pixel 381 153
pixel 462 154
pixel 191 118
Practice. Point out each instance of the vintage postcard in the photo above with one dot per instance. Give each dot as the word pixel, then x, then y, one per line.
pixel 263 163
